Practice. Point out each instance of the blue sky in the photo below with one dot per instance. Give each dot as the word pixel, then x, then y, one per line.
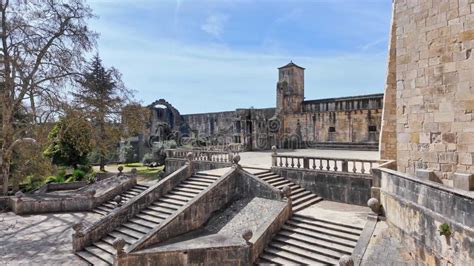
pixel 205 56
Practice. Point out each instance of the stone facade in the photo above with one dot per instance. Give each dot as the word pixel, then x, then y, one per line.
pixel 430 84
pixel 294 123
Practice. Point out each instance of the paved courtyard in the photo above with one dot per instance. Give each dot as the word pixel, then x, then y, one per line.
pixel 40 239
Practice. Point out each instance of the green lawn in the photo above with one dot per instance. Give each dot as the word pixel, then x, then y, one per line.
pixel 141 169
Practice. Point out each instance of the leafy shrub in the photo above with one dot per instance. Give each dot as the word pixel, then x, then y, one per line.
pixel 78 174
pixel 85 168
pixel 70 179
pixel 54 179
pixel 33 182
pixel 445 230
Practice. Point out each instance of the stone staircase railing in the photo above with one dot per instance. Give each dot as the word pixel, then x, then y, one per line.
pixel 201 155
pixel 346 165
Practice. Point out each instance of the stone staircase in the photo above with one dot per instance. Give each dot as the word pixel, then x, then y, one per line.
pixel 300 197
pixel 102 252
pixel 310 241
pixel 106 207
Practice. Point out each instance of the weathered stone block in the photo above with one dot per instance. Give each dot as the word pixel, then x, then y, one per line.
pixel 427 175
pixel 463 181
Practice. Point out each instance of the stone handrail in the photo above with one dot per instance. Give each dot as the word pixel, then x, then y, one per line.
pixel 85 236
pixel 358 166
pixel 200 155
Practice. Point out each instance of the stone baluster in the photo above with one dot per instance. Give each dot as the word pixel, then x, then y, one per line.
pixel 286 163
pixel 320 164
pixel 292 163
pixel 306 163
pixel 362 170
pixel 274 156
pixel 345 166
pixel 335 166
pixel 298 162
pixel 328 167
pixel 354 167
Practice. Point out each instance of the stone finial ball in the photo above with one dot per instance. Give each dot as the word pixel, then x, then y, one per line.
pixel 236 159
pixel 189 156
pixel 286 191
pixel 78 227
pixel 134 171
pixel 346 260
pixel 374 205
pixel 120 169
pixel 19 194
pixel 119 244
pixel 118 199
pixel 247 235
pixel 274 148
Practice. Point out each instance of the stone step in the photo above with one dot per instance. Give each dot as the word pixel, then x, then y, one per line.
pixel 187 190
pixel 269 179
pixel 103 208
pixel 128 195
pixel 142 187
pixel 129 232
pixel 304 199
pixel 334 254
pixel 131 192
pixel 100 253
pixel 328 222
pixel 144 222
pixel 150 218
pixel 105 246
pixel 166 199
pixel 91 258
pixel 197 188
pixel 172 206
pixel 163 210
pixel 194 183
pixel 110 240
pixel 295 258
pixel 295 187
pixel 176 197
pixel 268 258
pixel 280 184
pixel 263 175
pixel 182 193
pixel 306 204
pixel 340 228
pixel 209 177
pixel 325 231
pixel 299 195
pixel 315 241
pixel 110 205
pixel 154 213
pixel 320 236
pixel 202 180
pixel 296 191
pixel 315 257
pixel 136 227
pixel 129 239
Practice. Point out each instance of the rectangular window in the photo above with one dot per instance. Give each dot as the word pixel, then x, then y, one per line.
pixel 332 129
pixel 372 128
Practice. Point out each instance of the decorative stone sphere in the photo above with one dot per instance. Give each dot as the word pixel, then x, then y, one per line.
pixel 119 244
pixel 189 156
pixel 247 235
pixel 236 159
pixel 274 148
pixel 286 191
pixel 374 205
pixel 346 260
pixel 19 194
pixel 77 227
pixel 134 171
pixel 120 169
pixel 118 199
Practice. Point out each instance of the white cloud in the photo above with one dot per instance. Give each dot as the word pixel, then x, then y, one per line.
pixel 214 24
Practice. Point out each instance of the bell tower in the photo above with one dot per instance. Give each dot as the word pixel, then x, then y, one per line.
pixel 290 89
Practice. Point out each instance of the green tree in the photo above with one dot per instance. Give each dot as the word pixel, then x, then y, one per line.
pixel 69 142
pixel 102 95
pixel 41 47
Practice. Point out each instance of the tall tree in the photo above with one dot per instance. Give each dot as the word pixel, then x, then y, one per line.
pixel 69 142
pixel 42 42
pixel 102 95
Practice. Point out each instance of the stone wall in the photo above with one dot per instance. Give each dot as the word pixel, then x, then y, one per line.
pixel 342 187
pixel 417 208
pixel 434 66
pixel 173 164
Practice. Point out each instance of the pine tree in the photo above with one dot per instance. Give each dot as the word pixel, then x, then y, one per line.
pixel 102 95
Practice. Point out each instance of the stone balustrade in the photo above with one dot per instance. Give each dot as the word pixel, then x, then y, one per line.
pixel 201 155
pixel 346 165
